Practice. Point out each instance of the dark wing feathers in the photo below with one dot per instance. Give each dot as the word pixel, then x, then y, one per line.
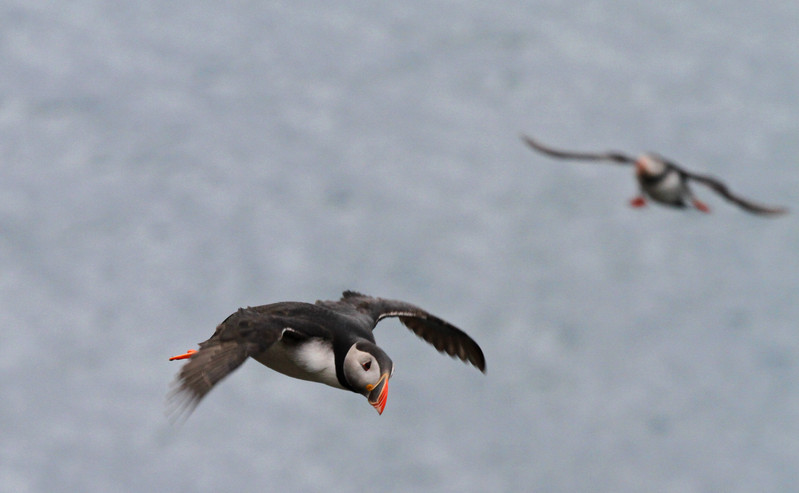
pixel 352 294
pixel 446 338
pixel 720 188
pixel 213 362
pixel 243 333
pixel 614 156
pixel 441 334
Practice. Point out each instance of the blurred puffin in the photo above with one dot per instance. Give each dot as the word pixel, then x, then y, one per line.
pixel 661 180
pixel 330 342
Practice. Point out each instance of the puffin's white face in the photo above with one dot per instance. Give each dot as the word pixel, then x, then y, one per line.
pixel 649 165
pixel 365 373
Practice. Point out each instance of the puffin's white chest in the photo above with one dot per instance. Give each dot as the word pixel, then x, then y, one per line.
pixel 310 360
pixel 670 189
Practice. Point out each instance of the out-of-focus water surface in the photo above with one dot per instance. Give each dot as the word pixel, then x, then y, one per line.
pixel 163 163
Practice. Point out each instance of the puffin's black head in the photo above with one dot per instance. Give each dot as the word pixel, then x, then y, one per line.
pixel 367 369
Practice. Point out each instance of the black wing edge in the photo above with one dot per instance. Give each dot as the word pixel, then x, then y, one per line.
pixel 719 187
pixel 613 156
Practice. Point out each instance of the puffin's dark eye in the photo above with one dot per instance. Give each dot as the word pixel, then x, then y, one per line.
pixel 367 365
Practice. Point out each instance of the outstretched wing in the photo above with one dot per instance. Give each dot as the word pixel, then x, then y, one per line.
pixel 243 333
pixel 612 156
pixel 725 192
pixel 444 336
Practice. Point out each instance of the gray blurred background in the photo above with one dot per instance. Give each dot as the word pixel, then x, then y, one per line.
pixel 163 163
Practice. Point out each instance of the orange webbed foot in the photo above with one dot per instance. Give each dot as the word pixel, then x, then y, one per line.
pixel 701 206
pixel 185 355
pixel 638 202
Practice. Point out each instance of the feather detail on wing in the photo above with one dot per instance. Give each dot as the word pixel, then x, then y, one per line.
pixel 214 361
pixel 242 334
pixel 446 338
pixel 441 334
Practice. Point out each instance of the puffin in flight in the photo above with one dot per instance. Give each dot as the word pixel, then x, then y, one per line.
pixel 330 342
pixel 661 180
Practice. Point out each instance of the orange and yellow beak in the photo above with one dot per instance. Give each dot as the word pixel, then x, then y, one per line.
pixel 640 167
pixel 378 393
